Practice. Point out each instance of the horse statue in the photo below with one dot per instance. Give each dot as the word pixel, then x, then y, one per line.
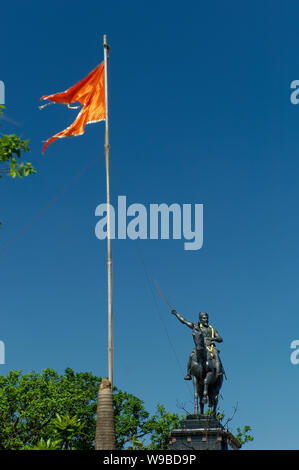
pixel 204 365
pixel 206 382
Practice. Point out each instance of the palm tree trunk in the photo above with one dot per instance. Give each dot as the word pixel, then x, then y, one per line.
pixel 105 429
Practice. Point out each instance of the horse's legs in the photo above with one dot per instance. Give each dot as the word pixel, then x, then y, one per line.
pixel 201 402
pixel 195 386
pixel 213 399
pixel 201 407
pixel 207 381
pixel 215 403
pixel 216 388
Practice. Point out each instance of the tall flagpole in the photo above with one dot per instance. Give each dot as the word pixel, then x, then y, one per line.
pixel 109 254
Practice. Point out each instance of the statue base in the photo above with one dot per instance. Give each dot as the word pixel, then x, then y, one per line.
pixel 202 432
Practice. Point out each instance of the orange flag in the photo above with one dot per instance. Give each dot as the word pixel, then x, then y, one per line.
pixel 90 92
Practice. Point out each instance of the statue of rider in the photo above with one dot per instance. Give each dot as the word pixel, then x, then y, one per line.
pixel 202 330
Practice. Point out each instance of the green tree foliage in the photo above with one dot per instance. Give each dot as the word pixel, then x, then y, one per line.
pixel 242 435
pixel 37 407
pixel 11 149
pixel 136 429
pixel 44 411
pixel 65 429
pixel 44 445
pixel 29 404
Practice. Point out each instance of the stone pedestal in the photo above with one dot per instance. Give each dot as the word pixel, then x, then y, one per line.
pixel 202 432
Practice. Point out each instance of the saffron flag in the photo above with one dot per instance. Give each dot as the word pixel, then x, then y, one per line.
pixel 90 92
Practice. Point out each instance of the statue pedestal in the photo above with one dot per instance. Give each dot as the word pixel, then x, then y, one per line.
pixel 202 432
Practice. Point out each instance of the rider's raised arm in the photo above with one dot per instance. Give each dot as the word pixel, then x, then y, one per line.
pixel 182 319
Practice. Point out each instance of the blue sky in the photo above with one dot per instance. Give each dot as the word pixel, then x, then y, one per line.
pixel 200 112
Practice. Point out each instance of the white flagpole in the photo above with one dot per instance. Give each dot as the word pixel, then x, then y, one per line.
pixel 109 254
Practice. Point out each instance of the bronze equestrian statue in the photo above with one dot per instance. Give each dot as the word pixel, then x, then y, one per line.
pixel 204 363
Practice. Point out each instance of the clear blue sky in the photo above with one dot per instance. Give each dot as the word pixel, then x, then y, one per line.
pixel 200 113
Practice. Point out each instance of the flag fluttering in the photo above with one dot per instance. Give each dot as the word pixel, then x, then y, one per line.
pixel 90 92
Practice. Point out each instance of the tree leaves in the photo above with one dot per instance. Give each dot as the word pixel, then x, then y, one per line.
pixel 11 149
pixel 242 435
pixel 29 404
pixel 45 411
